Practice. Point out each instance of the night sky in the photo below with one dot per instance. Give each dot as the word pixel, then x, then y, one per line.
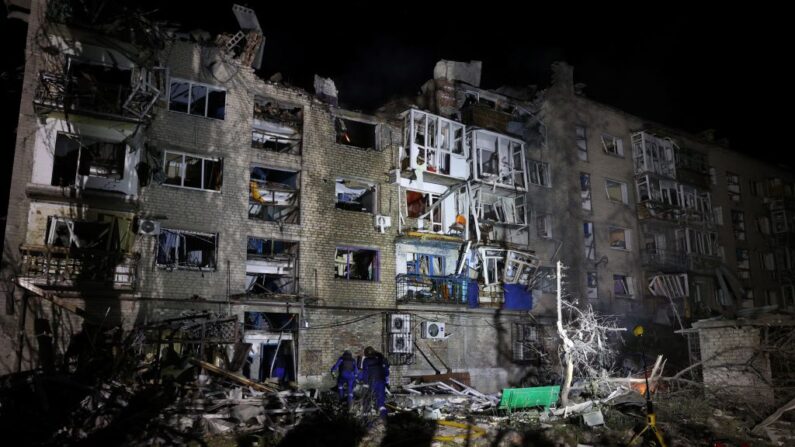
pixel 723 70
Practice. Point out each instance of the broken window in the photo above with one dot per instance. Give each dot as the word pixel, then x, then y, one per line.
pixel 435 144
pixel 620 238
pixel 498 159
pixel 738 224
pixel 697 242
pixel 355 195
pixel 547 280
pixel 197 99
pixel 273 195
pixel 733 186
pixel 585 191
pixel 763 225
pixel 649 153
pixel 355 133
pixel 193 171
pixel 757 188
pixel 592 285
pixel 424 264
pixel 743 263
pixel 539 173
pixel 499 209
pixel 95 87
pixel 544 226
pixel 356 263
pixel 187 249
pixel 526 343
pixel 419 203
pixel 582 142
pixel 271 266
pixel 616 191
pixel 519 267
pixel 779 220
pixel 623 285
pixel 69 233
pixel 493 265
pixel 277 126
pixel 612 145
pixel 82 156
pixel 590 249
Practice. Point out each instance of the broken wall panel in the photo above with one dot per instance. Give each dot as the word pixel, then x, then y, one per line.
pixel 271 266
pixel 277 126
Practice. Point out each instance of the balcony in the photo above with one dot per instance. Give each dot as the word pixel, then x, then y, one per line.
pixel 64 268
pixel 666 260
pixel 413 288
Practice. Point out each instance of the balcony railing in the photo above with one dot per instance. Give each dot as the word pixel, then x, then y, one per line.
pixel 413 288
pixel 73 268
pixel 66 93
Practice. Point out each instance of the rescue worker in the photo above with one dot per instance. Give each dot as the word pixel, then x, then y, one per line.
pixel 346 376
pixel 375 371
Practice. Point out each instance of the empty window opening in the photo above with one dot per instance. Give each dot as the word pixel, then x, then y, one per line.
pixel 612 145
pixel 585 191
pixel 355 195
pixel 733 186
pixel 277 126
pixel 187 249
pixel 197 99
pixel 425 264
pixel 546 280
pixel 418 204
pixel 271 266
pixel 95 87
pixel 273 195
pixel 193 171
pixel 582 143
pixel 355 133
pixel 616 191
pixel 738 224
pixel 539 173
pixel 356 263
pixel 544 226
pixel 623 285
pixel 592 285
pixel 620 238
pixel 82 156
pixel 73 234
pixel 743 263
pixel 590 248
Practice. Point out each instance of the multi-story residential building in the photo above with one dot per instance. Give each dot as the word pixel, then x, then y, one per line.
pixel 161 177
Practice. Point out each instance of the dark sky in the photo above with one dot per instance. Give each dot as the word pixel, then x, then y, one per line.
pixel 727 70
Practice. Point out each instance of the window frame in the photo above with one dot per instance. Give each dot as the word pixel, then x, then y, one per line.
pixel 582 149
pixel 533 168
pixel 617 142
pixel 351 249
pixel 373 186
pixel 624 191
pixel 627 238
pixel 177 265
pixel 628 285
pixel 547 223
pixel 417 262
pixel 190 83
pixel 183 166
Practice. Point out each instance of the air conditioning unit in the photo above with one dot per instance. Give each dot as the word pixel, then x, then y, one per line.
pixel 400 344
pixel 399 323
pixel 148 227
pixel 432 329
pixel 382 222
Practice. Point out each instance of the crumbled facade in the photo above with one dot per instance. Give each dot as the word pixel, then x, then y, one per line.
pixel 156 180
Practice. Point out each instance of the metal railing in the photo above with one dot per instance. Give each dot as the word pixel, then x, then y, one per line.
pixel 74 268
pixel 431 289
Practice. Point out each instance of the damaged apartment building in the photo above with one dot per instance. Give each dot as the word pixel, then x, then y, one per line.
pixel 157 176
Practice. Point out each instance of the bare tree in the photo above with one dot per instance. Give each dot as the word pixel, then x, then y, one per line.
pixel 586 349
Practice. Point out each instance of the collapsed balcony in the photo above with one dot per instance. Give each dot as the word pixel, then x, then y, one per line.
pixel 274 195
pixel 100 90
pixel 277 126
pixel 271 267
pixel 664 260
pixel 664 199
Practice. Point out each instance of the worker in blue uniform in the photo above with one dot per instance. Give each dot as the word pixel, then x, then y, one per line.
pixel 346 376
pixel 375 371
